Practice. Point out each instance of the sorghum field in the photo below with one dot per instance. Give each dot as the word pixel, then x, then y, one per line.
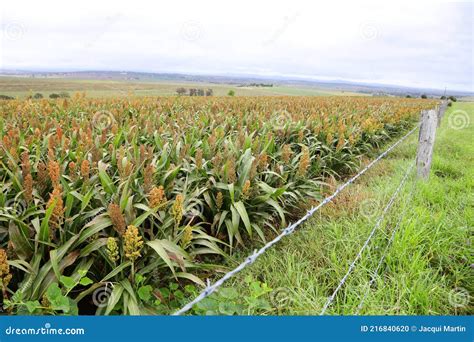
pixel 149 196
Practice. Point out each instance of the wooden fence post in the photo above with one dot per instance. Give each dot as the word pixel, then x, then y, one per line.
pixel 429 119
pixel 441 109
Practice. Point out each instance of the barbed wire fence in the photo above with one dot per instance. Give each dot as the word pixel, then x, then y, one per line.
pixel 375 273
pixel 422 160
pixel 366 243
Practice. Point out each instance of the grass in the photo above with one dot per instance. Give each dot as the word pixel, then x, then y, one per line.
pixel 428 269
pixel 22 86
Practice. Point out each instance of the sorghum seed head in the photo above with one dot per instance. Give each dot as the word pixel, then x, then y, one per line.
pixel 157 197
pixel 262 161
pixel 28 187
pixel 219 200
pixel 231 177
pixel 5 275
pixel 112 249
pixel 148 177
pixel 198 158
pixel 187 236
pixel 53 170
pixel 57 216
pixel 286 153
pixel 246 189
pixel 85 169
pixel 304 161
pixel 177 209
pixel 118 220
pixel 133 243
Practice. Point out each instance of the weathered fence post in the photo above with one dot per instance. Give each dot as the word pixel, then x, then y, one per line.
pixel 429 119
pixel 441 109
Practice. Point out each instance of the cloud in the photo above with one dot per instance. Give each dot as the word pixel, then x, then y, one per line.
pixel 412 44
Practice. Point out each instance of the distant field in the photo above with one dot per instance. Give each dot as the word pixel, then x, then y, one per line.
pixel 21 87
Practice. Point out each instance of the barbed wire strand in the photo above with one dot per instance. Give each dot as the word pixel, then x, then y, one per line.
pixel 366 243
pixel 384 254
pixel 288 230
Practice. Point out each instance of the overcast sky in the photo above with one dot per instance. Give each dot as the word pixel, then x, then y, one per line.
pixel 412 43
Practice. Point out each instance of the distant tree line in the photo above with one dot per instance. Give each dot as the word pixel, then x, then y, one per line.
pixel 36 96
pixel 61 95
pixel 444 97
pixel 451 98
pixel 258 85
pixel 194 92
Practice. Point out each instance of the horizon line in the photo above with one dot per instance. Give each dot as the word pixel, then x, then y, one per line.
pixel 273 76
